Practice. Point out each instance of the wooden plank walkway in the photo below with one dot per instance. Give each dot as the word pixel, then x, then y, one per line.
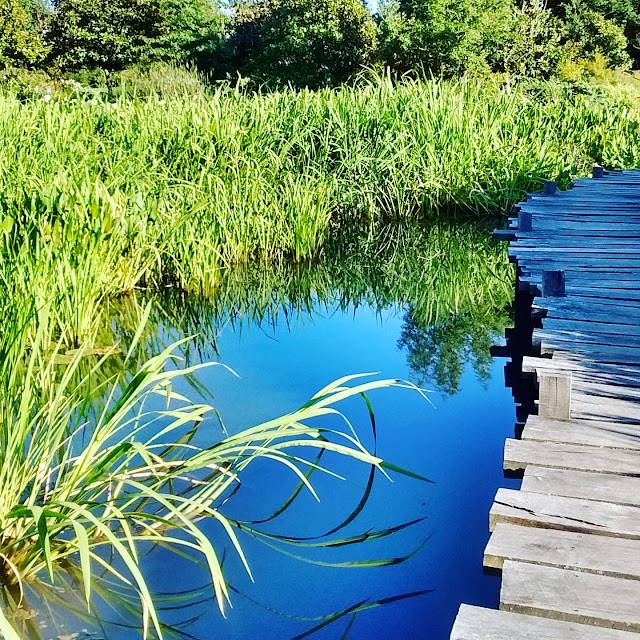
pixel 568 542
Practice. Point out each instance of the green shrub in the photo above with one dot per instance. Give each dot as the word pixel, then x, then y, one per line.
pixel 304 43
pixel 21 44
pixel 590 32
pixel 115 34
pixel 445 37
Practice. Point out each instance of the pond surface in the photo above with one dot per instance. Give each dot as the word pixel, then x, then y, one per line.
pixel 286 338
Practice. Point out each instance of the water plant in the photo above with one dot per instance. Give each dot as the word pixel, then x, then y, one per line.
pixel 90 484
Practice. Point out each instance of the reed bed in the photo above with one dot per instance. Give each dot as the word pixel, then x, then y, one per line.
pixel 99 198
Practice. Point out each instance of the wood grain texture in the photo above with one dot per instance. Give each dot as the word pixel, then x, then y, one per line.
pixel 614 557
pixel 604 487
pixel 574 596
pixel 477 623
pixel 519 454
pixel 569 514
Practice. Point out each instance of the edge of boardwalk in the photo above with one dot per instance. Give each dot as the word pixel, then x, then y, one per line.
pixel 568 542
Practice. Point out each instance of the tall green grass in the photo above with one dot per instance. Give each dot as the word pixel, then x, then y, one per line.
pixel 99 198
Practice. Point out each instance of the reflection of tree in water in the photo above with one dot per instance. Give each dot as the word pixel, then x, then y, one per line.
pixel 437 352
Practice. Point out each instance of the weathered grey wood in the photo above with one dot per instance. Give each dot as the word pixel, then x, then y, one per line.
pixel 519 454
pixel 583 337
pixel 555 396
pixel 582 472
pixel 574 596
pixel 565 513
pixel 614 557
pixel 477 623
pixel 597 171
pixel 583 432
pixel 603 487
pixel 563 362
pixel 549 187
pixel 600 408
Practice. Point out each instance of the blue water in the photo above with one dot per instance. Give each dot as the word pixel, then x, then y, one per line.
pixel 456 441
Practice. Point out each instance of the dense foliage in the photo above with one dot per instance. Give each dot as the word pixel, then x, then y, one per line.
pixel 115 34
pixel 321 43
pixel 311 43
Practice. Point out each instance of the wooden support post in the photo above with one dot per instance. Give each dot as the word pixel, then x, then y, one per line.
pixel 549 187
pixel 555 396
pixel 553 284
pixel 524 221
pixel 598 171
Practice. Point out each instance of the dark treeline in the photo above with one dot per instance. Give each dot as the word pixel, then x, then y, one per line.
pixel 318 43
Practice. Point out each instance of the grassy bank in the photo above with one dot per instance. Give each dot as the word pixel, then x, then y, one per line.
pixel 98 198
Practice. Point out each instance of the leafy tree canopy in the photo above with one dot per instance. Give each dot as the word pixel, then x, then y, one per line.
pixel 21 43
pixel 312 43
pixel 114 34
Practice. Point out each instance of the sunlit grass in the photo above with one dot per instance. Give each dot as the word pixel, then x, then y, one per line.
pixel 90 493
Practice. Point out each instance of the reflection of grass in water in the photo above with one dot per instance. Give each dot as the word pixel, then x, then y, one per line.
pixel 454 280
pixel 61 502
pixel 438 271
pixel 94 494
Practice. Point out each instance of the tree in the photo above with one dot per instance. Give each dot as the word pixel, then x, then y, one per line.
pixel 590 32
pixel 312 43
pixel 109 34
pixel 615 18
pixel 191 31
pixel 115 34
pixel 537 43
pixel 21 42
pixel 445 37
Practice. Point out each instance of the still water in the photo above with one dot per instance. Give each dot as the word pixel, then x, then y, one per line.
pixel 454 438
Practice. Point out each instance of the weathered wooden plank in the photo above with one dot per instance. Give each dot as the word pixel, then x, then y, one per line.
pixel 592 261
pixel 519 454
pixel 604 353
pixel 565 513
pixel 614 557
pixel 602 294
pixel 603 487
pixel 584 432
pixel 603 390
pixel 477 623
pixel 569 309
pixel 600 408
pixel 568 338
pixel 589 327
pixel 563 362
pixel 555 396
pixel 603 251
pixel 574 596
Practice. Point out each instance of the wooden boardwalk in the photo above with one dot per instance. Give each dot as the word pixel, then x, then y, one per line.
pixel 568 543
